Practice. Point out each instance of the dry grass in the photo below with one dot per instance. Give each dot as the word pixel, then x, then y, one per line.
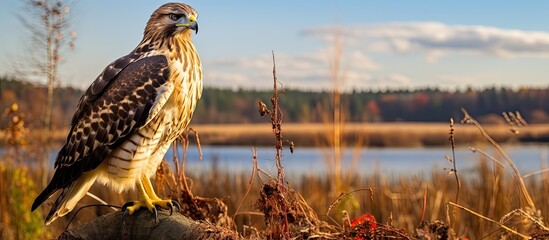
pixel 489 190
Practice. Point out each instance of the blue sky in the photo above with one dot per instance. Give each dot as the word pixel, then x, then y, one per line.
pixel 386 44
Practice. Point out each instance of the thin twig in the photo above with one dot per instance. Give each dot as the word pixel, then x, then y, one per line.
pixel 453 144
pixel 178 168
pixel 482 152
pixel 536 173
pixel 309 212
pixel 250 182
pixel 338 199
pixel 424 204
pixel 276 120
pixel 197 137
pixel 100 200
pixel 489 220
pixel 458 182
pixel 91 205
pixel 182 176
pixel 260 170
pixel 468 119
pixel 249 213
pixel 529 216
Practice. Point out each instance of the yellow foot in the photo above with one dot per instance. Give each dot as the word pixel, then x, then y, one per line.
pixel 130 208
pixel 166 204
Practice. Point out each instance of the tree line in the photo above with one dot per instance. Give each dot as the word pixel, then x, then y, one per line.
pixel 240 106
pixel 420 105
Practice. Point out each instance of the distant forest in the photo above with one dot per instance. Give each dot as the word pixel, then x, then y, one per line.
pixel 240 106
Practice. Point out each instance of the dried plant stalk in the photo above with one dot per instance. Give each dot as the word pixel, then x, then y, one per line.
pixel 488 219
pixel 470 120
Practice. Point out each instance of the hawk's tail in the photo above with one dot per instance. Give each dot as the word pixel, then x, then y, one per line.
pixel 69 197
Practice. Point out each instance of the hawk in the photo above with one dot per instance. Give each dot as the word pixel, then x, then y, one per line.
pixel 129 116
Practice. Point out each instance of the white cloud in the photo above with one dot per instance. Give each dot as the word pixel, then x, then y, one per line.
pixel 397 80
pixel 225 79
pixel 304 70
pixel 437 39
pixel 457 80
pixel 359 60
pixel 391 80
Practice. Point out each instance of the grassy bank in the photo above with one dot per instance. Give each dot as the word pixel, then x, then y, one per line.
pixel 494 200
pixel 488 190
pixel 364 134
pixel 376 134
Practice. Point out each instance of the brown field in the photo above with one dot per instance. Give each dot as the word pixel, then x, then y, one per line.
pixel 368 134
pixel 487 190
pixel 398 202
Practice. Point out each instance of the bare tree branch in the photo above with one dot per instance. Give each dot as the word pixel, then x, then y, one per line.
pixel 48 23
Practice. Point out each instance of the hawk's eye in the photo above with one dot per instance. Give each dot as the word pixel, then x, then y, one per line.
pixel 174 17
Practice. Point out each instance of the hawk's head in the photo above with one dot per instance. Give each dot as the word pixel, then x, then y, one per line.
pixel 169 20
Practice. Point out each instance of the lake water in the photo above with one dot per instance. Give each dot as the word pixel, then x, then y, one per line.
pixel 388 161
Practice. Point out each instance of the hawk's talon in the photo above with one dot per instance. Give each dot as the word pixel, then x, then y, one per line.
pixel 155 215
pixel 176 204
pixel 163 204
pixel 171 208
pixel 126 214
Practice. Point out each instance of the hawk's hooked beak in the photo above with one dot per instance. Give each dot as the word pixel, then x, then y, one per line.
pixel 192 24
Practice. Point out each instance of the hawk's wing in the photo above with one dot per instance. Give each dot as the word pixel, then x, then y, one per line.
pixel 118 103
